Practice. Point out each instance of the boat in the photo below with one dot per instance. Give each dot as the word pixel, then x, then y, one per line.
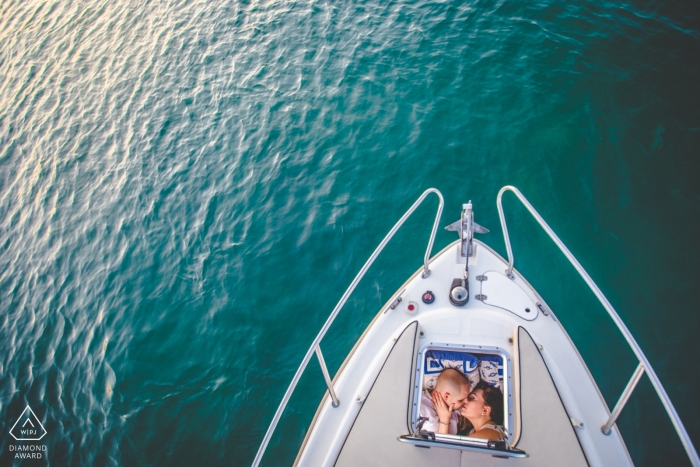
pixel 468 308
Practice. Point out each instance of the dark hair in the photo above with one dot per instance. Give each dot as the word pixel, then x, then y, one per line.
pixel 493 398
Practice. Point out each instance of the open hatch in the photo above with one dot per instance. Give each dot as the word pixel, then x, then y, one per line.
pixel 477 363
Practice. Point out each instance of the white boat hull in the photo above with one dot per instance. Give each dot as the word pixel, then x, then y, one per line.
pixel 493 321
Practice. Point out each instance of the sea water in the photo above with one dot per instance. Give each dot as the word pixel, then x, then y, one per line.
pixel 188 187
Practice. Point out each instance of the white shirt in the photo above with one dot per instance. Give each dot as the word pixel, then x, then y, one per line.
pixel 428 411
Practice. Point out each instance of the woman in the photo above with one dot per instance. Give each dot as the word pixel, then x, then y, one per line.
pixel 481 414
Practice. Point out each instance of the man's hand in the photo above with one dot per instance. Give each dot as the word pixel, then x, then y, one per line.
pixel 443 411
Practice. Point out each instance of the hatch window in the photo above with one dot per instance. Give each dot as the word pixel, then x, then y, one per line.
pixel 476 381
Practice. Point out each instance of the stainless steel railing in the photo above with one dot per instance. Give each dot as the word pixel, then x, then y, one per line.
pixel 644 365
pixel 315 346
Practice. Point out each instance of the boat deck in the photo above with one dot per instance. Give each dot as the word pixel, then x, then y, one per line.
pixel 548 438
pixel 550 384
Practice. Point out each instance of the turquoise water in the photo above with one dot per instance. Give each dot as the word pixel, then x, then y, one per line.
pixel 187 188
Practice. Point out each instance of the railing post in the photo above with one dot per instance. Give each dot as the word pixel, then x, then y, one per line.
pixel 426 258
pixel 623 399
pixel 509 249
pixel 326 376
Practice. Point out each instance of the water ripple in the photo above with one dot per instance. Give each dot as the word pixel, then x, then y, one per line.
pixel 175 177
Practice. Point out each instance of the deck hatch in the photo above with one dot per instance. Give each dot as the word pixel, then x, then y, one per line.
pixel 464 443
pixel 499 291
pixel 489 363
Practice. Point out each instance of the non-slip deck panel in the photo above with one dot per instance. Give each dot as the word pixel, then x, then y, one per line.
pixel 547 433
pixel 373 438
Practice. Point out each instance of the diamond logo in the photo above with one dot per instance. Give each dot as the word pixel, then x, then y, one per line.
pixel 28 427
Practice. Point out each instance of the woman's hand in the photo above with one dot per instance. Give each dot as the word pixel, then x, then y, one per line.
pixel 444 412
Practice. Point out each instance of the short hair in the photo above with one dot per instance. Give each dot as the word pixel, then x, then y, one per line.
pixel 451 380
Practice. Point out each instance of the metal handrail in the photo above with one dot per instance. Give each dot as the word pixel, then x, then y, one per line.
pixel 643 362
pixel 315 345
pixel 636 376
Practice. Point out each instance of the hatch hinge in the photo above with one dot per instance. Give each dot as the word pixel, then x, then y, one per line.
pixel 482 278
pixel 481 297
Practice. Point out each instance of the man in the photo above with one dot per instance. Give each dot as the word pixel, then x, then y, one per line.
pixel 454 388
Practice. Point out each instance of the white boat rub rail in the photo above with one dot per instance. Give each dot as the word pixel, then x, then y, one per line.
pixel 315 346
pixel 644 365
